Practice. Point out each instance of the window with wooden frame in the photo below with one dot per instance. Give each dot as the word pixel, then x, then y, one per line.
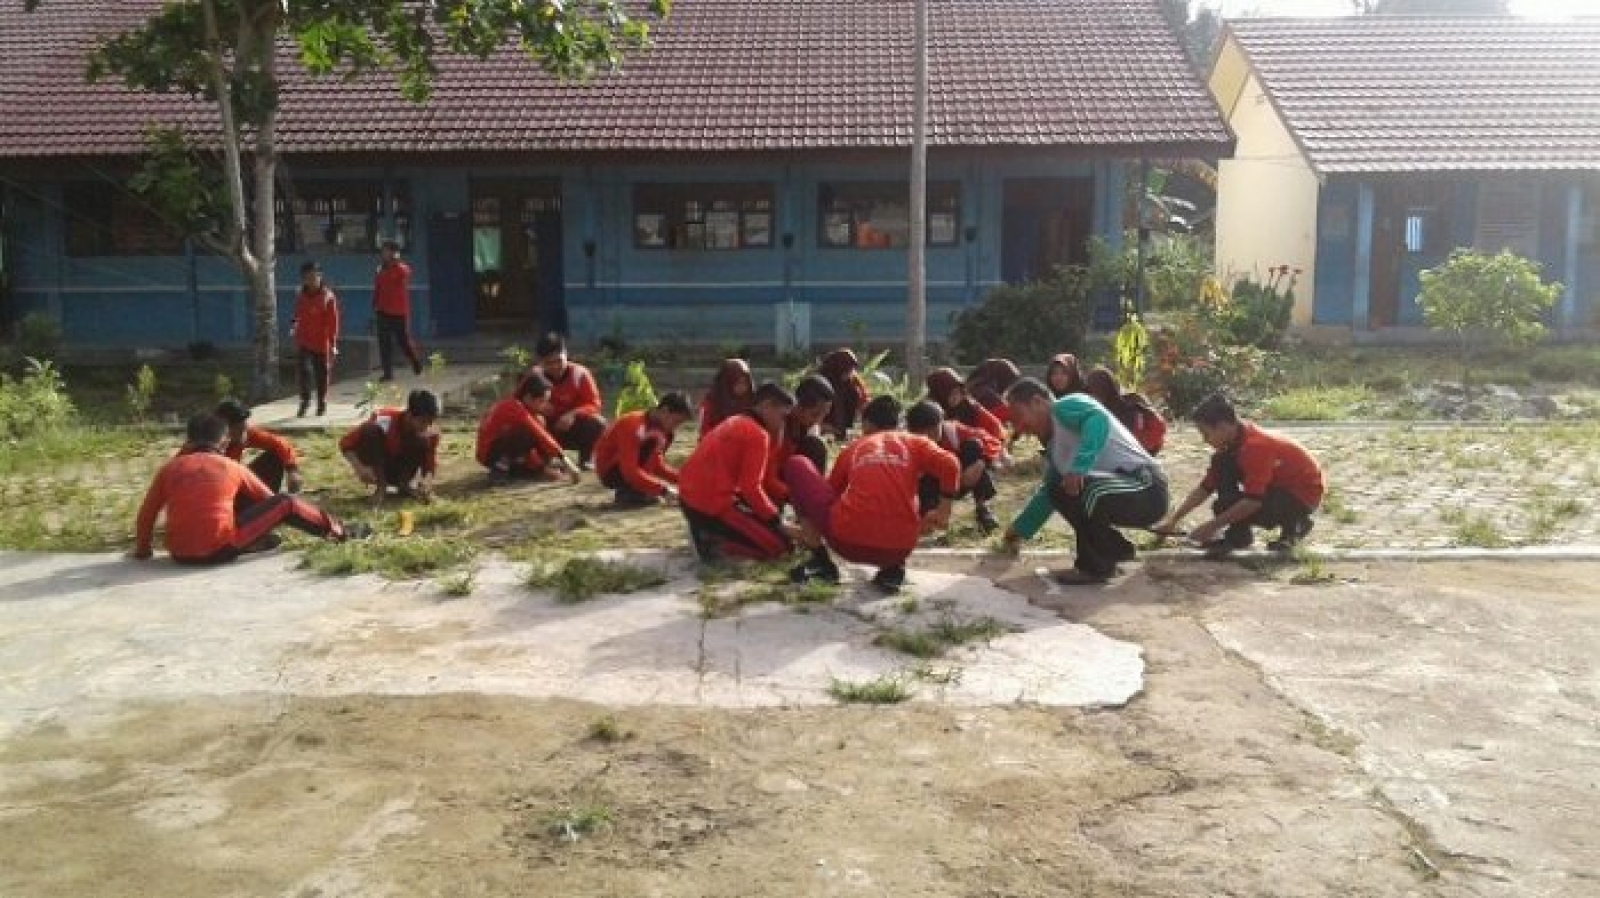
pixel 329 218
pixel 100 221
pixel 877 214
pixel 702 216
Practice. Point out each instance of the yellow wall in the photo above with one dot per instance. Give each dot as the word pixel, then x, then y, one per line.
pixel 1267 193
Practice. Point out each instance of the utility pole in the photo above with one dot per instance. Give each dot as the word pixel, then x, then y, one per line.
pixel 917 255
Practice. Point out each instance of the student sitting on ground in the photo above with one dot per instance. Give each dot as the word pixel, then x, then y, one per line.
pixel 988 383
pixel 275 462
pixel 1260 478
pixel 977 452
pixel 203 492
pixel 1063 376
pixel 573 416
pixel 397 448
pixel 799 434
pixel 631 457
pixel 729 394
pixel 842 370
pixel 1097 476
pixel 720 487
pixel 512 441
pixel 950 394
pixel 1133 410
pixel 867 508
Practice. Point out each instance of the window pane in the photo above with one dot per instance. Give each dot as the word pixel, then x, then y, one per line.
pixel 702 216
pixel 876 214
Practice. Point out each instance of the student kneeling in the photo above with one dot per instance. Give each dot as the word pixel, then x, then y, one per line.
pixel 1097 476
pixel 199 489
pixel 977 451
pixel 631 457
pixel 1261 479
pixel 721 491
pixel 397 448
pixel 867 508
pixel 512 441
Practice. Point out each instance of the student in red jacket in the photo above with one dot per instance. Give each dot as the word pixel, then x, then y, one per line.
pixel 977 452
pixel 1260 478
pixel 988 383
pixel 316 337
pixel 729 394
pixel 391 310
pixel 275 462
pixel 720 487
pixel 946 389
pixel 512 441
pixel 866 510
pixel 202 490
pixel 398 448
pixel 573 416
pixel 1133 410
pixel 631 457
pixel 842 370
pixel 799 434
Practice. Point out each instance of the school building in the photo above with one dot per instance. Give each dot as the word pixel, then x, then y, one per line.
pixel 1370 147
pixel 743 179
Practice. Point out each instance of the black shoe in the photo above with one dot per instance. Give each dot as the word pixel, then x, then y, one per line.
pixel 304 405
pixel 987 522
pixel 264 544
pixel 322 409
pixel 636 500
pixel 1292 534
pixel 416 367
pixel 1126 552
pixel 890 579
pixel 1079 577
pixel 357 530
pixel 585 464
pixel 825 570
pixel 1218 550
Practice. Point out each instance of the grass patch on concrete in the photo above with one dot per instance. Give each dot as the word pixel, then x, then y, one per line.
pixel 1479 531
pixel 885 690
pixel 583 578
pixel 1318 403
pixel 459 585
pixel 607 730
pixel 572 824
pixel 940 636
pixel 395 558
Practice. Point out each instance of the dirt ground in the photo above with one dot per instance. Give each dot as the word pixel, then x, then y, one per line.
pixel 1214 781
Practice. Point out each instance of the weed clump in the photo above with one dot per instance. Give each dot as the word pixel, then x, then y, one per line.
pixel 884 690
pixel 581 579
pixel 395 558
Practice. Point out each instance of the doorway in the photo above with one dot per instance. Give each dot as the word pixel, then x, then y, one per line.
pixel 1411 232
pixel 1046 223
pixel 516 256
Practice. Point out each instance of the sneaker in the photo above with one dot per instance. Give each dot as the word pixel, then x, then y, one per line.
pixel 987 522
pixel 357 530
pixel 828 572
pixel 890 579
pixel 304 405
pixel 1292 534
pixel 1077 577
pixel 322 409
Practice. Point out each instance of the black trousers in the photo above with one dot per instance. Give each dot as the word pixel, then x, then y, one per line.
pixel 513 449
pixel 270 469
pixel 399 468
pixel 971 453
pixel 1278 508
pixel 585 431
pixel 314 370
pixel 394 329
pixel 613 480
pixel 1106 502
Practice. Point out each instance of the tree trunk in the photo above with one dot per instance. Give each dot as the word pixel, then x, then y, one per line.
pixel 916 283
pixel 264 285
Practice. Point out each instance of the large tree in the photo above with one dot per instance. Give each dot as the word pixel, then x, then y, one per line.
pixel 1433 7
pixel 1197 26
pixel 226 51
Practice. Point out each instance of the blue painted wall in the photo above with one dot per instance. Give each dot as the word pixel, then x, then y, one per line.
pixel 691 296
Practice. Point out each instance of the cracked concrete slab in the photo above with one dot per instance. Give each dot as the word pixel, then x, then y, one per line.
pixel 77 631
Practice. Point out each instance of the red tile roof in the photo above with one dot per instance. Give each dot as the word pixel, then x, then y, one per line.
pixel 722 75
pixel 1399 94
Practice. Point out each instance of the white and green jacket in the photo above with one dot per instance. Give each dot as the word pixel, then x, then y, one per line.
pixel 1087 440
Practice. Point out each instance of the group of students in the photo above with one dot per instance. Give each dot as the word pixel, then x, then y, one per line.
pixel 762 448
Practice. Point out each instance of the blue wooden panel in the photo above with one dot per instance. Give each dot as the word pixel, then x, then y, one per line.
pixel 1334 290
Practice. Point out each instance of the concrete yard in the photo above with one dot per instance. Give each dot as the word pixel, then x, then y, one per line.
pixel 1428 729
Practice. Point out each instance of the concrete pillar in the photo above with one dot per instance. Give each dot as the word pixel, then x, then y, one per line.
pixel 1569 299
pixel 1361 305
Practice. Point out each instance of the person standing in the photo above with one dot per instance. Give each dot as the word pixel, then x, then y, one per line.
pixel 1097 476
pixel 316 337
pixel 391 310
pixel 275 462
pixel 573 415
pixel 217 509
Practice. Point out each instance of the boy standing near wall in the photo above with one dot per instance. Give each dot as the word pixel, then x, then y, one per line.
pixel 1260 478
pixel 316 337
pixel 391 310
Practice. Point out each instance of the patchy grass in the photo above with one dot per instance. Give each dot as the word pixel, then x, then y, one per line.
pixel 941 636
pixel 726 588
pixel 459 585
pixel 1318 403
pixel 608 731
pixel 1480 532
pixel 583 578
pixel 573 824
pixel 396 558
pixel 885 690
pixel 935 676
pixel 1313 571
pixel 916 643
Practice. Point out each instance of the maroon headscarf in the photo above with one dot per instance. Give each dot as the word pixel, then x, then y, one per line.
pixel 721 403
pixel 941 383
pixel 1069 363
pixel 988 383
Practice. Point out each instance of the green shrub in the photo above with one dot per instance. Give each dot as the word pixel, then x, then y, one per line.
pixel 1192 362
pixel 1026 321
pixel 637 393
pixel 39 336
pixel 1256 313
pixel 1175 269
pixel 35 403
pixel 1483 298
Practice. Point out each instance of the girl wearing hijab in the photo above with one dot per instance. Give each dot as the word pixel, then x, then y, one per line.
pixel 842 369
pixel 1063 376
pixel 729 395
pixel 1133 410
pixel 988 383
pixel 946 388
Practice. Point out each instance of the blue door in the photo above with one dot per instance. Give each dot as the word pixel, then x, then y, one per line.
pixel 450 274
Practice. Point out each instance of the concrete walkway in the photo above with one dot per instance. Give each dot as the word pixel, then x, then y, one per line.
pixel 454 383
